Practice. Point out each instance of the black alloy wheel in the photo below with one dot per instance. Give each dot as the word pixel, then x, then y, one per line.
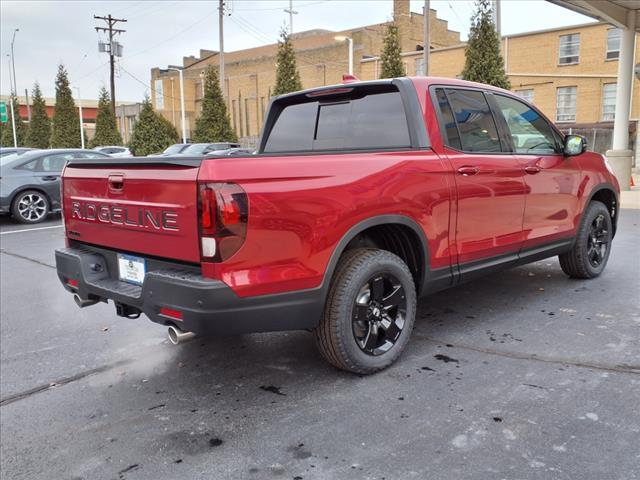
pixel 379 314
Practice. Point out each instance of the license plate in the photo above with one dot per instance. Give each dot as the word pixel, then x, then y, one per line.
pixel 132 269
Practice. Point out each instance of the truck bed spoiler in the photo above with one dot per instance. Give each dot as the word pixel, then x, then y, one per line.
pixel 148 161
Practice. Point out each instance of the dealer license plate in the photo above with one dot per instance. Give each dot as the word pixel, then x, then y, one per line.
pixel 132 269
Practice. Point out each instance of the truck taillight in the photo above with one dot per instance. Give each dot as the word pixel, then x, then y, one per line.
pixel 224 211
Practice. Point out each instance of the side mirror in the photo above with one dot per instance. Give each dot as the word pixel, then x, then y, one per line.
pixel 574 145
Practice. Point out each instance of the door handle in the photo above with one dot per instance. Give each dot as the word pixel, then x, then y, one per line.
pixel 532 170
pixel 49 178
pixel 468 170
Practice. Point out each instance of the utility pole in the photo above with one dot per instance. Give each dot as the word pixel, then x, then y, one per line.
pixel 13 63
pixel 496 18
pixel 221 41
pixel 114 49
pixel 291 13
pixel 427 38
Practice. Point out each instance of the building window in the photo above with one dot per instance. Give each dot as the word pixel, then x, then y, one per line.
pixel 608 101
pixel 613 43
pixel 158 87
pixel 526 94
pixel 569 49
pixel 420 71
pixel 566 104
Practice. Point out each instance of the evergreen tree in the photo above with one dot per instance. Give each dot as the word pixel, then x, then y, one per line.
pixel 484 62
pixel 213 124
pixel 152 133
pixel 21 128
pixel 66 122
pixel 106 130
pixel 392 65
pixel 39 133
pixel 287 75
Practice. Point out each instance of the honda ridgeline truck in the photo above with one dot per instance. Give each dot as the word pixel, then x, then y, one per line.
pixel 362 198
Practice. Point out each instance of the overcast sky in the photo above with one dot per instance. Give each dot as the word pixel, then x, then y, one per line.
pixel 159 33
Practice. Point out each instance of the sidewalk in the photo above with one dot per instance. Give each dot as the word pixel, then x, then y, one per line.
pixel 631 198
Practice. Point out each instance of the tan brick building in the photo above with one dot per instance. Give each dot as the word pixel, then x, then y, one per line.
pixel 570 73
pixel 250 74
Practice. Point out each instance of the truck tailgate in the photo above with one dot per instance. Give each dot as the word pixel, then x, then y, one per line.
pixel 148 209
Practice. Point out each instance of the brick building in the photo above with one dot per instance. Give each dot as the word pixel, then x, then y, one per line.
pixel 570 72
pixel 250 74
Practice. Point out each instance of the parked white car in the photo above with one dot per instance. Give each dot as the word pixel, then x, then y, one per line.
pixel 115 151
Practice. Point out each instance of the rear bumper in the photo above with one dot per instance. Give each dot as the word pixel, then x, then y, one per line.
pixel 208 307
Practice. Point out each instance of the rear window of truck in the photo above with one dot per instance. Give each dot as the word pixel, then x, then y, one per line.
pixel 375 120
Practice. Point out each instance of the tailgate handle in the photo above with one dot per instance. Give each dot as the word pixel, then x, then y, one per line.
pixel 116 182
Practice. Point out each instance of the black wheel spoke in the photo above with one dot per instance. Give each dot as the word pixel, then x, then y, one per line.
pixel 360 312
pixel 377 289
pixel 393 299
pixel 390 327
pixel 371 339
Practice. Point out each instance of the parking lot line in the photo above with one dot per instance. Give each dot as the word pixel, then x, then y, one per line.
pixel 30 229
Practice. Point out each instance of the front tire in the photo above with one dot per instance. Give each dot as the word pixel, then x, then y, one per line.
pixel 370 312
pixel 30 206
pixel 590 253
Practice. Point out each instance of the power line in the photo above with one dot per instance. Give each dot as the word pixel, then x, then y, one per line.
pixel 279 8
pixel 189 27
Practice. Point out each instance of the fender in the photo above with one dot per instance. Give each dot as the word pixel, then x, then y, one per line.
pixel 373 222
pixel 611 188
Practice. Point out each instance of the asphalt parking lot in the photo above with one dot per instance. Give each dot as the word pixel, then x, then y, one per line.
pixel 525 374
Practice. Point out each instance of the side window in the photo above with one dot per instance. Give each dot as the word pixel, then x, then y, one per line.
pixel 294 128
pixel 530 132
pixel 29 165
pixel 449 122
pixel 54 163
pixel 478 132
pixel 378 121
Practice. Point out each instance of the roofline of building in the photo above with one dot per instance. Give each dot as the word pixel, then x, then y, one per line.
pixel 555 29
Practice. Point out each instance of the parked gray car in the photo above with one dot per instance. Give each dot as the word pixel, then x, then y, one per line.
pixel 4 151
pixel 30 182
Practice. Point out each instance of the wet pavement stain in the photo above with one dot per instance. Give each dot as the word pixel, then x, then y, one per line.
pixel 272 389
pixel 299 451
pixel 131 468
pixel 445 358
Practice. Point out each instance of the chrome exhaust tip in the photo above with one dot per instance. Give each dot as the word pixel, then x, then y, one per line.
pixel 177 336
pixel 83 303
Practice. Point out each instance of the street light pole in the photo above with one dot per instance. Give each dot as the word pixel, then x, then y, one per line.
pixel 80 111
pixel 221 42
pixel 182 119
pixel 13 62
pixel 349 40
pixel 13 118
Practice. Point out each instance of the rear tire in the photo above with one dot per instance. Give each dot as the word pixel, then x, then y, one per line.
pixel 370 312
pixel 590 253
pixel 30 206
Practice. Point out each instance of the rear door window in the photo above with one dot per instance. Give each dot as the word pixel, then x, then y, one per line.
pixel 54 163
pixel 476 126
pixel 374 121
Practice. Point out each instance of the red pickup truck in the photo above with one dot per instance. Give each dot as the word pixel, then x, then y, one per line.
pixel 361 198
